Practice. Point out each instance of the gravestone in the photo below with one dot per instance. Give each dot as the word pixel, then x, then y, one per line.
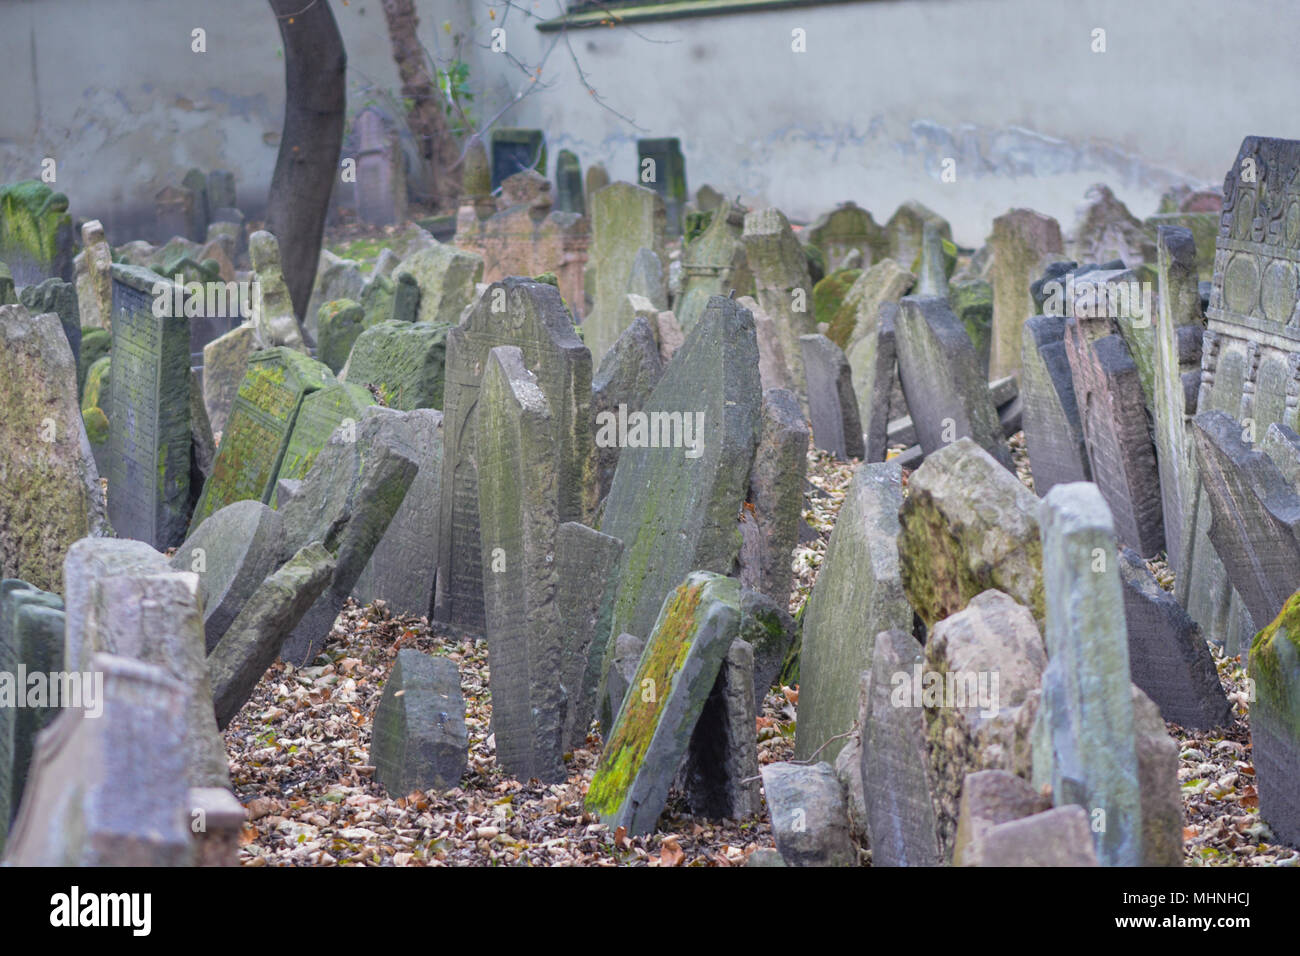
pixel 406 361
pixel 1104 230
pixel 1059 837
pixel 530 315
pixel 873 359
pixel 1084 743
pixel 972 303
pixel 906 229
pixel 419 740
pixel 380 171
pixel 90 561
pixel 225 360
pixel 49 485
pixel 31 636
pixel 968 525
pixel 783 286
pixel 597 178
pixel 336 278
pixel 59 297
pixel 1274 665
pixel 845 230
pixel 196 182
pixel 568 184
pixel 36 236
pixel 148 413
pixel 714 263
pixel 650 736
pixel 935 263
pixel 627 375
pixel 518 490
pixel 338 323
pixel 1020 239
pixel 221 190
pixel 720 775
pixel 858 594
pixel 624 219
pixel 179 213
pixel 675 508
pixel 404 564
pixel 260 423
pixel 776 492
pixel 273 312
pixel 321 412
pixel 661 166
pixel 990 798
pixel 621 668
pixel 446 277
pixel 945 387
pixel 1053 430
pixel 810 820
pixel 514 150
pixel 832 405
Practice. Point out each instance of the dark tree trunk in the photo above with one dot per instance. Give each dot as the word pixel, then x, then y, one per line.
pixel 426 118
pixel 305 170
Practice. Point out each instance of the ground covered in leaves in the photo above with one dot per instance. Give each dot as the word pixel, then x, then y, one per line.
pixel 299 757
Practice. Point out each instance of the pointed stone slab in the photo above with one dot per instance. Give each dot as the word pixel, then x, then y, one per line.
pixel 946 389
pixel 258 429
pixel 832 405
pixel 1084 740
pixel 681 660
pixel 858 594
pixel 586 565
pixel 419 740
pixel 1274 665
pixel 1053 431
pixel 782 284
pixel 675 508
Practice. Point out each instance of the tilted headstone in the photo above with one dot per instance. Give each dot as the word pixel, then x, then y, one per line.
pixel 221 189
pixel 94 277
pixel 906 230
pixel 1274 665
pixel 419 740
pixel 404 564
pixel 405 360
pixel 720 774
pixel 1053 430
pixel 446 277
pixel 714 263
pixel 1084 742
pixel 776 493
pixel 336 278
pixel 946 390
pixel 232 552
pixel 650 736
pixel 968 525
pixel 624 219
pixel 972 303
pixel 620 387
pixel 1158 781
pixel 225 360
pixel 59 297
pixel 258 428
pixel 848 229
pixel 529 315
pixel 622 663
pixel 873 359
pixel 322 411
pixel 338 323
pixel 934 264
pixel 783 286
pixel 858 594
pixel 148 413
pixel 1020 239
pixel 832 405
pixel 1104 229
pixel 49 485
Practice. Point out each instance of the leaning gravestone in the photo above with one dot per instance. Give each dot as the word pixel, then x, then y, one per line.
pixel 624 220
pixel 845 230
pixel 832 406
pixel 225 360
pixel 649 738
pixel 1020 239
pixel 783 286
pixel 419 740
pixel 518 490
pixel 260 423
pixel 906 229
pixel 714 264
pixel 858 594
pixel 627 375
pixel 49 486
pixel 1053 430
pixel 446 277
pixel 406 361
pixel 720 775
pixel 874 362
pixel 36 236
pixel 1274 665
pixel 674 504
pixel 776 493
pixel 1084 743
pixel 148 413
pixel 530 315
pixel 338 323
pixel 321 412
pixel 59 297
pixel 945 387
pixel 404 564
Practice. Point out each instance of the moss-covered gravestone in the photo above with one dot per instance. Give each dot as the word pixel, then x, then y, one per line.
pixel 643 750
pixel 36 238
pixel 258 429
pixel 1020 239
pixel 714 263
pixel 321 412
pixel 530 315
pixel 419 739
pixel 830 292
pixel 446 277
pixel 225 361
pixel 1275 720
pixel 972 302
pixel 783 285
pixel 59 297
pixel 845 230
pixel 338 323
pixel 404 360
pixel 624 219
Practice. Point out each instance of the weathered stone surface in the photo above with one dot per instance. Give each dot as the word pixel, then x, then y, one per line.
pixel 568 183
pixel 858 594
pixel 968 525
pixel 404 564
pixel 906 228
pixel 1104 229
pixel 1056 837
pixel 252 642
pixel 586 567
pixel 773 369
pixel 110 791
pixel 336 278
pixel 406 361
pixel 845 230
pixel 832 404
pixel 49 486
pixel 232 551
pixel 224 818
pixel 99 377
pixel 273 313
pixel 972 303
pixel 334 405
pixel 873 359
pixel 678 668
pixel 94 277
pixel 1084 740
pixel 1162 799
pixel 1121 455
pixel 338 323
pixel 533 318
pixel 89 562
pixel 36 237
pixel 990 798
pixel 1274 665
pixel 419 740
pixel 714 263
pixel 782 284
pixel 720 776
pixel 518 491
pixel 347 501
pixel 59 297
pixel 899 794
pixel 767 627
pixel 1020 239
pixel 624 219
pixel 623 662
pixel 810 820
pixel 258 428
pixel 776 493
pixel 675 508
pixel 1168 656
pixel 621 386
pixel 942 379
pixel 148 413
pixel 225 360
pixel 1053 430
pixel 934 263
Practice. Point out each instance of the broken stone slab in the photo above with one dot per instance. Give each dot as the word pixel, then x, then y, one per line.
pixel 674 678
pixel 419 740
pixel 1168 656
pixel 832 404
pixel 253 639
pixel 1057 837
pixel 968 525
pixel 858 594
pixel 990 798
pixel 232 552
pixel 720 774
pixel 810 820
